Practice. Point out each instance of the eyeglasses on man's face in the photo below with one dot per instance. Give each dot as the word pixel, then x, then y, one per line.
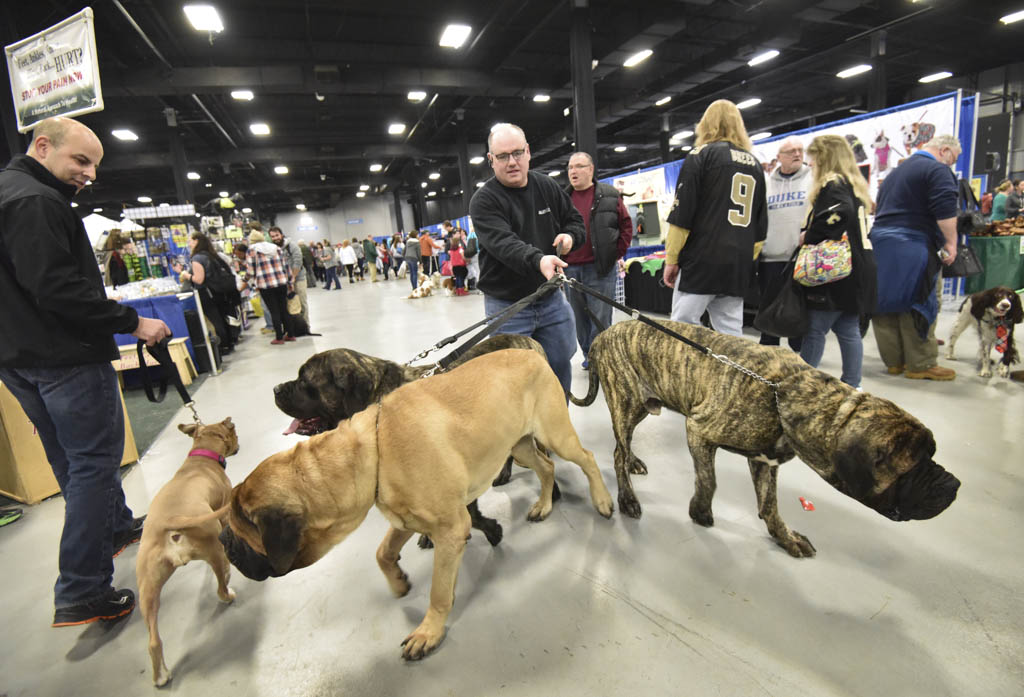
pixel 503 157
pixel 585 165
pixel 792 152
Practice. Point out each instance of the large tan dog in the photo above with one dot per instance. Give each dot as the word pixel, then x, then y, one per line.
pixel 182 525
pixel 866 447
pixel 420 462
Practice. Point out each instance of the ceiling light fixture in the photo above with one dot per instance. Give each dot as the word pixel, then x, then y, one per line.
pixel 936 76
pixel 300 206
pixel 74 205
pixel 663 101
pixel 762 57
pixel 620 148
pixel 1012 17
pixel 224 194
pixel 476 160
pixel 319 97
pixel 454 35
pixel 760 136
pixel 434 176
pixel 686 148
pixel 376 167
pixel 164 204
pixel 194 176
pixel 747 103
pixel 247 210
pixel 144 199
pixel 242 95
pixel 554 173
pixel 97 210
pixel 204 18
pixel 431 193
pixel 638 58
pixel 396 128
pixel 360 194
pixel 281 169
pixel 680 135
pixel 542 97
pixel 259 129
pixel 565 111
pixel 479 184
pixel 364 187
pixel 855 70
pixel 423 185
pixel 124 134
pixel 417 96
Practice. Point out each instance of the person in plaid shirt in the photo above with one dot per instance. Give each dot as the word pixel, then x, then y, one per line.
pixel 268 271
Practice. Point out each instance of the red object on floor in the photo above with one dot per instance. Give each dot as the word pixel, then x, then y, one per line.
pixel 808 506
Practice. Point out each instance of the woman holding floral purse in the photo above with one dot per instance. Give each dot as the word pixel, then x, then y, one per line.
pixel 839 202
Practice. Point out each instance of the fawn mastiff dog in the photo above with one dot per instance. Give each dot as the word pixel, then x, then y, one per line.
pixel 864 446
pixel 183 524
pixel 420 462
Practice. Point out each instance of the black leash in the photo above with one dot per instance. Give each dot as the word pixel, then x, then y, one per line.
pixel 493 323
pixel 168 372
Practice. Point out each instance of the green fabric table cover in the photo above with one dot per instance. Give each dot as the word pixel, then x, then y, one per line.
pixel 1001 257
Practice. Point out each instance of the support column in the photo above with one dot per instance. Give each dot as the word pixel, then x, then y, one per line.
pixel 16 143
pixel 420 209
pixel 877 91
pixel 663 138
pixel 463 144
pixel 182 186
pixel 398 211
pixel 580 56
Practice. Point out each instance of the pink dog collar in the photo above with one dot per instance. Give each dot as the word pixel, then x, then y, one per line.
pixel 203 452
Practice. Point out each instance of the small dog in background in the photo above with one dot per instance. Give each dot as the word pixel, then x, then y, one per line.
pixel 994 313
pixel 183 524
pixel 449 286
pixel 425 288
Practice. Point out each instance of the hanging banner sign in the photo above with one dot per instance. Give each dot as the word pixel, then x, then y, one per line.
pixel 55 72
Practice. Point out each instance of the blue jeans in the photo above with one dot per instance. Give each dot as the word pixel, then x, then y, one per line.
pixel 77 412
pixel 587 274
pixel 550 322
pixel 413 272
pixel 331 273
pixel 846 327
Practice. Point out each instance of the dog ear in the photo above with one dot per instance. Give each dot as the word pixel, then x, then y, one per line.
pixel 227 422
pixel 280 533
pixel 1016 313
pixel 357 393
pixel 855 468
pixel 189 429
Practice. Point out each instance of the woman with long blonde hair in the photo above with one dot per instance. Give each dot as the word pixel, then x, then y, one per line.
pixel 839 201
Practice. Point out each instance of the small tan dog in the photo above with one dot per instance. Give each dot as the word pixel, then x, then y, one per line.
pixel 425 288
pixel 183 525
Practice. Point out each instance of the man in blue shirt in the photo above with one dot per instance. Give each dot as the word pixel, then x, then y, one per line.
pixel 913 235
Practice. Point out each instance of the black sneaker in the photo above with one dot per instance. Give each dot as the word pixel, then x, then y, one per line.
pixel 110 606
pixel 130 536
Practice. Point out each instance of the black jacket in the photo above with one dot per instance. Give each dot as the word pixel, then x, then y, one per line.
pixel 604 226
pixel 54 310
pixel 837 210
pixel 516 227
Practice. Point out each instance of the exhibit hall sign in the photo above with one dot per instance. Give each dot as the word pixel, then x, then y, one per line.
pixel 55 72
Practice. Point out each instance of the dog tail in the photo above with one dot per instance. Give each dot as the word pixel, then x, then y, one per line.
pixel 592 388
pixel 183 522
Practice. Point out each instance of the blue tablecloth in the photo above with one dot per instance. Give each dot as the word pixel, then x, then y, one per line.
pixel 166 307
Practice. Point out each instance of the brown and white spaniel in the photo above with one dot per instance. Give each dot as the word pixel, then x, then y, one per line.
pixel 994 313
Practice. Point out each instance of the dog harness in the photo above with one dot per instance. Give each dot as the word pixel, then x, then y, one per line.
pixel 203 452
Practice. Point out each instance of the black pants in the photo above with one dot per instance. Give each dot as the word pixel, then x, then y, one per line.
pixel 770 279
pixel 459 274
pixel 349 267
pixel 425 263
pixel 277 300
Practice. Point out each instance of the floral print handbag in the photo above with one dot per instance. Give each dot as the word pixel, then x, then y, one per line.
pixel 825 262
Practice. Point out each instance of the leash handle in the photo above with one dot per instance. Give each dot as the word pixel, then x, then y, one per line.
pixel 160 351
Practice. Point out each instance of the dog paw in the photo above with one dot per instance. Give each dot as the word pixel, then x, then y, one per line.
pixel 628 504
pixel 637 466
pixel 985 373
pixel 228 597
pixel 797 545
pixel 400 586
pixel 1004 370
pixel 539 512
pixel 162 678
pixel 421 642
pixel 949 354
pixel 701 515
pixel 493 533
pixel 605 506
pixel 425 542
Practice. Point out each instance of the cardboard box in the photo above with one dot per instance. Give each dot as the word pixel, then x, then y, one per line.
pixel 25 473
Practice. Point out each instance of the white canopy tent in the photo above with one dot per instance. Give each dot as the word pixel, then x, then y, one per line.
pixel 97 226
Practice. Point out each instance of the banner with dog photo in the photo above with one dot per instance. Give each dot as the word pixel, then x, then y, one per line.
pixel 882 139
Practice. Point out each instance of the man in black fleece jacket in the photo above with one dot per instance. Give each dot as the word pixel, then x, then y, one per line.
pixel 523 221
pixel 56 344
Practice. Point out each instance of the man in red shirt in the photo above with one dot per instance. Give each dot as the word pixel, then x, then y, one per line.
pixel 609 231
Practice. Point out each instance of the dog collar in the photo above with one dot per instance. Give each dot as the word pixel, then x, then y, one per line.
pixel 203 452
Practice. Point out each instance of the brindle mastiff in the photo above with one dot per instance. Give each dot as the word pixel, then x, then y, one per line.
pixel 866 447
pixel 420 459
pixel 333 385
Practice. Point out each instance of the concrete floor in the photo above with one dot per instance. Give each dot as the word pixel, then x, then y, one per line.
pixel 575 605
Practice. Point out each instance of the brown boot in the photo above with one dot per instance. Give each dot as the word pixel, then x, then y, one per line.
pixel 895 369
pixel 934 373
